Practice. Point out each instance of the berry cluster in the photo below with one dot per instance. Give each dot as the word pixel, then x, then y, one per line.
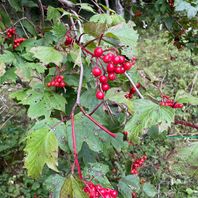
pixel 138 163
pixel 11 32
pixel 58 81
pixel 114 64
pixel 97 191
pixel 17 42
pixel 132 91
pixel 68 40
pixel 166 101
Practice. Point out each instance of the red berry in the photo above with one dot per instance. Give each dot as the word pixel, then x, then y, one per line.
pixel 112 76
pixel 100 95
pixel 134 195
pixel 134 172
pixel 96 71
pixel 98 52
pixel 132 91
pixel 178 106
pixel 121 59
pixel 116 60
pixel 105 87
pixel 56 84
pixel 127 66
pixel 144 157
pixel 49 84
pixel 117 70
pixel 103 79
pixel 68 40
pixel 114 193
pixel 62 84
pixel 110 68
pixel 125 133
pixel 122 70
pixel 53 83
pixel 106 58
pixel 138 85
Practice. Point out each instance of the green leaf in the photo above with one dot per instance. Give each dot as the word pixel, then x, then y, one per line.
pixel 59 30
pixel 98 172
pixel 29 27
pixel 86 6
pixel 59 130
pixel 118 96
pixel 185 159
pixel 72 188
pixel 7 57
pixel 88 99
pixel 149 190
pixel 29 4
pixel 9 76
pixel 16 4
pixel 181 5
pixel 94 29
pixel 42 103
pixel 146 115
pixel 41 149
pixel 53 14
pixel 54 184
pixel 124 32
pixel 128 184
pixel 101 18
pixel 47 54
pixel 86 131
pixel 183 97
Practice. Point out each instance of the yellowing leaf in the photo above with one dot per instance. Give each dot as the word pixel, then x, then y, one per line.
pixel 41 149
pixel 72 188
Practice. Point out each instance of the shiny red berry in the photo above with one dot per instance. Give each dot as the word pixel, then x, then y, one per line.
pixel 110 68
pixel 127 65
pixel 111 76
pixel 105 87
pixel 96 71
pixel 121 59
pixel 134 172
pixel 100 95
pixel 116 60
pixel 103 79
pixel 117 70
pixel 98 52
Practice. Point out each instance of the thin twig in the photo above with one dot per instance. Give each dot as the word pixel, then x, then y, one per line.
pixel 79 24
pixel 100 10
pixel 74 144
pixel 95 108
pixel 18 21
pixel 80 80
pixel 42 13
pixel 184 123
pixel 26 34
pixel 137 90
pixel 97 123
pixel 193 83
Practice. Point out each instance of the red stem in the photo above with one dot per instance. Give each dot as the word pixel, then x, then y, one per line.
pixel 74 146
pixel 97 123
pixel 180 122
